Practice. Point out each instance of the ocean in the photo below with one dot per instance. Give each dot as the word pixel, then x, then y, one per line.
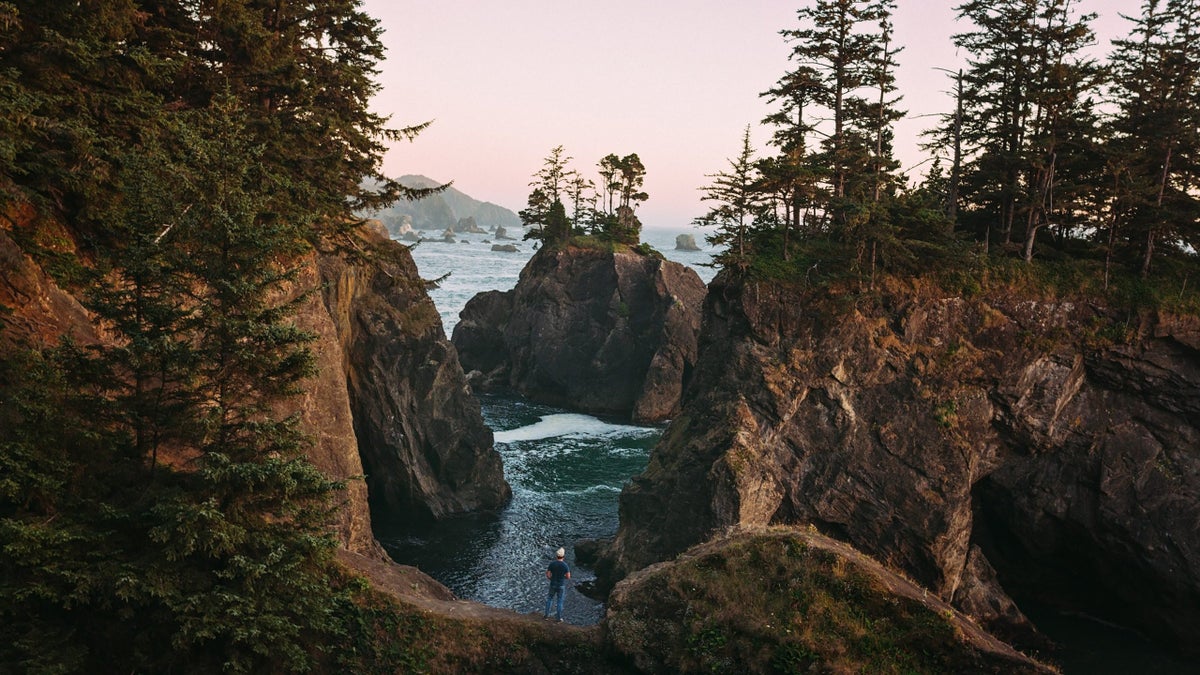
pixel 566 469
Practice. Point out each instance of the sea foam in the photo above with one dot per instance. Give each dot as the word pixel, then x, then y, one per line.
pixel 571 424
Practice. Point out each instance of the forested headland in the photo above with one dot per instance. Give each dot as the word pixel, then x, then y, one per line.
pixel 169 163
pixel 1086 167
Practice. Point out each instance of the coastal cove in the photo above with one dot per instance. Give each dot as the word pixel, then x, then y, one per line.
pixel 566 469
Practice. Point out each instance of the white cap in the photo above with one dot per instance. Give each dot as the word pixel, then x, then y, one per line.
pixel 560 553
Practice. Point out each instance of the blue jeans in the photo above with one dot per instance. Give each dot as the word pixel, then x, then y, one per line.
pixel 558 591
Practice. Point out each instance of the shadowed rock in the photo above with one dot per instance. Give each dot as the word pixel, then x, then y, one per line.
pixel 425 449
pixel 588 329
pixel 984 447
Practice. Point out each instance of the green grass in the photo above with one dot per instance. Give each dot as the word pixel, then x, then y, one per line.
pixel 774 603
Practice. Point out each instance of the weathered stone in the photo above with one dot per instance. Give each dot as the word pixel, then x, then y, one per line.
pixel 388 382
pixel 324 407
pixel 686 242
pixel 920 428
pixel 591 330
pixel 424 446
pixel 36 312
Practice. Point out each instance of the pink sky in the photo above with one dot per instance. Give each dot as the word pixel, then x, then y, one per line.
pixel 675 81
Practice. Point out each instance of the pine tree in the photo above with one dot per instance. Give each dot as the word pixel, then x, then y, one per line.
pixel 738 203
pixel 157 512
pixel 1154 140
pixel 1027 98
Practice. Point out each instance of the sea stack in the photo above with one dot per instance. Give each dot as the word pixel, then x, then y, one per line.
pixel 590 329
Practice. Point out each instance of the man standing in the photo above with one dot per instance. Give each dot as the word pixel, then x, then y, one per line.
pixel 557 573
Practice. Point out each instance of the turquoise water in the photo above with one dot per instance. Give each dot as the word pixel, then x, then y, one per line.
pixel 566 469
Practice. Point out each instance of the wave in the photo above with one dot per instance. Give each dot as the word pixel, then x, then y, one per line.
pixel 572 425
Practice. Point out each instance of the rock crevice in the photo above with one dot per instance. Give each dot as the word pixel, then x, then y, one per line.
pixel 991 448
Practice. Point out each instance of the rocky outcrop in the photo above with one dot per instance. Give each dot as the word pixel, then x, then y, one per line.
pixel 686 242
pixel 468 226
pixel 425 449
pixel 789 600
pixel 588 329
pixel 324 407
pixel 34 310
pixel 388 382
pixel 988 448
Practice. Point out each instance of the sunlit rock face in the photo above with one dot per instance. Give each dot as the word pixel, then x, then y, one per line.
pixel 986 447
pixel 591 330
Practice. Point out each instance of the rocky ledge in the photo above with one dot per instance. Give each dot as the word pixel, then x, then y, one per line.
pixel 588 329
pixel 788 600
pixel 990 448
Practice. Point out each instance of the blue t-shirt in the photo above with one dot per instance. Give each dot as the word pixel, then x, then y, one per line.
pixel 558 573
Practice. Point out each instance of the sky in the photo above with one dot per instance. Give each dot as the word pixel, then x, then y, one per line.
pixel 675 81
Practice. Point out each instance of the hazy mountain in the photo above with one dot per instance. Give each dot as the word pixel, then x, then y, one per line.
pixel 443 210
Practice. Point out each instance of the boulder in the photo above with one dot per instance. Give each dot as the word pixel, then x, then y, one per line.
pixel 992 449
pixel 505 248
pixel 686 242
pixel 589 329
pixel 468 225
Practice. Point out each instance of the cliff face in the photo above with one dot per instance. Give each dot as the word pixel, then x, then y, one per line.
pixel 389 385
pixel 592 330
pixel 421 436
pixel 978 445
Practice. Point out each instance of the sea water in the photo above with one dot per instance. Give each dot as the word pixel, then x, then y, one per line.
pixel 566 469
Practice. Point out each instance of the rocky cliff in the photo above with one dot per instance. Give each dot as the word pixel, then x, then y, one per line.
pixel 390 399
pixel 991 448
pixel 589 329
pixel 421 436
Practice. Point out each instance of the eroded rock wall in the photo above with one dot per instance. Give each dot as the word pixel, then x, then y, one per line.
pixel 388 381
pixel 974 444
pixel 424 446
pixel 591 330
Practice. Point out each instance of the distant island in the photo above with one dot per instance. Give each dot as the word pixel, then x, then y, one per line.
pixel 442 211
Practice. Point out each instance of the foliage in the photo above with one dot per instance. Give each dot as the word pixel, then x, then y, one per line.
pixel 157 512
pixel 608 213
pixel 1025 166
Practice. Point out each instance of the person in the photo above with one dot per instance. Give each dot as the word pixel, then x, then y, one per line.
pixel 557 573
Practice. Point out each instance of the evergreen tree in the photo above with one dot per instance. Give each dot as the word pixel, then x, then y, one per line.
pixel 738 203
pixel 1154 139
pixel 840 93
pixel 157 512
pixel 1027 98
